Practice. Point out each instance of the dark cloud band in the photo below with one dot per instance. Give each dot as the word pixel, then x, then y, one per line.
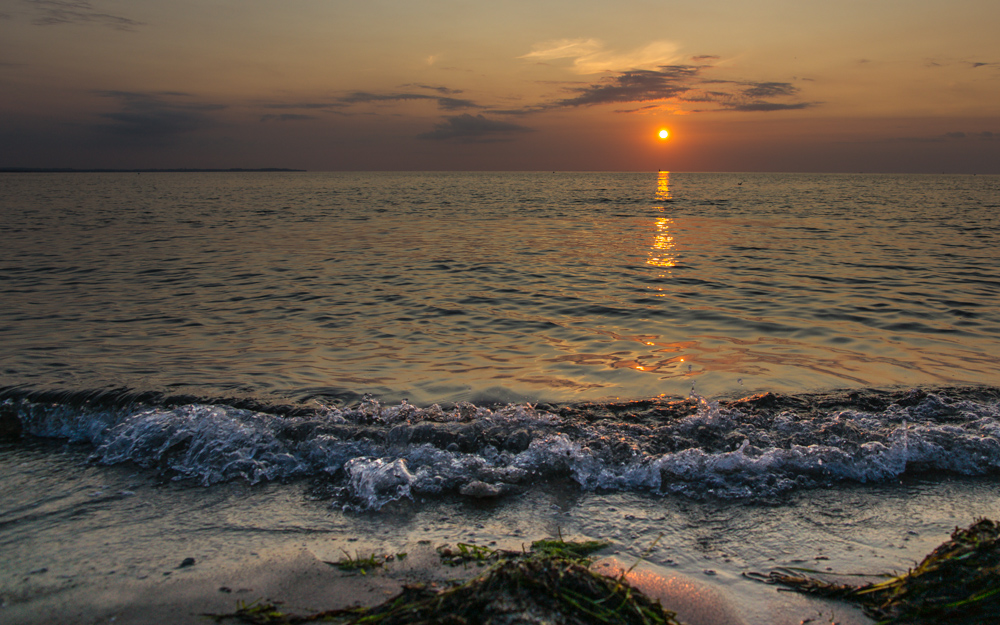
pixel 155 115
pixel 473 129
pixel 53 12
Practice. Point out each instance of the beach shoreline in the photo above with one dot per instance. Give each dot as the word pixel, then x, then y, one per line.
pixel 299 583
pixel 174 552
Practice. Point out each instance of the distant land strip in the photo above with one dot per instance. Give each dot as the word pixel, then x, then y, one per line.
pixel 69 170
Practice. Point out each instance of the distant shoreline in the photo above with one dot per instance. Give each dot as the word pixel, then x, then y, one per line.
pixel 70 170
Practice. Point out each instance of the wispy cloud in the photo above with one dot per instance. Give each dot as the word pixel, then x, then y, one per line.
pixel 946 137
pixel 444 102
pixel 473 129
pixel 754 97
pixel 682 84
pixel 52 12
pixel 155 115
pixel 564 49
pixel 311 106
pixel 440 89
pixel 286 117
pixel 764 107
pixel 769 90
pixel 966 63
pixel 650 74
pixel 635 86
pixel 589 56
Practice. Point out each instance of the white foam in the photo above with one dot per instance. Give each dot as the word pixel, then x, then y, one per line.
pixel 379 454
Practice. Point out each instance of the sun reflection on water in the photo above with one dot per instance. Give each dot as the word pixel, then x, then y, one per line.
pixel 662 252
pixel 663 187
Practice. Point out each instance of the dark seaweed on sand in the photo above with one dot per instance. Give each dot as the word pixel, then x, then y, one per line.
pixel 538 589
pixel 958 583
pixel 544 586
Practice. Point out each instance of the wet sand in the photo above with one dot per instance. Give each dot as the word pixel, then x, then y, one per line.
pixel 303 584
pixel 88 544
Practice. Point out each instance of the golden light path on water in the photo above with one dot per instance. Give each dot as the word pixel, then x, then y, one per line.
pixel 661 254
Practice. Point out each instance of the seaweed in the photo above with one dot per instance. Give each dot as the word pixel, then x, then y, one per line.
pixel 540 588
pixel 357 563
pixel 958 583
pixel 550 585
pixel 571 550
pixel 464 553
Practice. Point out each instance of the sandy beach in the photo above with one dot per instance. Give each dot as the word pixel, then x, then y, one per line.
pixel 96 544
pixel 303 584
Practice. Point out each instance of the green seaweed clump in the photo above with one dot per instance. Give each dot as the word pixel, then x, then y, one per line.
pixel 958 583
pixel 527 589
pixel 465 553
pixel 568 549
pixel 539 589
pixel 362 565
pixel 534 590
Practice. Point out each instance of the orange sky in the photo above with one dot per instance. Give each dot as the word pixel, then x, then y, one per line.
pixel 772 85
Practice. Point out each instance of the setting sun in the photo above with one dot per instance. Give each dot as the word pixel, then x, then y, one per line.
pixel 664 134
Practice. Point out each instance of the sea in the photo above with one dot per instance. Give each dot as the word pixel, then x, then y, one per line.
pixel 717 373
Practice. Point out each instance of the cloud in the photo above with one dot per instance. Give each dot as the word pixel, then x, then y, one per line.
pixel 286 117
pixel 755 97
pixel 678 84
pixel 444 102
pixel 683 83
pixel 769 106
pixel 645 75
pixel 155 116
pixel 769 90
pixel 305 105
pixel 948 136
pixel 564 49
pixel 52 12
pixel 473 129
pixel 953 62
pixel 648 107
pixel 636 86
pixel 439 89
pixel 590 57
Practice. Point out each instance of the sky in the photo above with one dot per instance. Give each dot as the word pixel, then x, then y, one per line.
pixel 767 85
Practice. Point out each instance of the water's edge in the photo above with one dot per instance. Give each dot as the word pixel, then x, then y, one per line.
pixel 366 455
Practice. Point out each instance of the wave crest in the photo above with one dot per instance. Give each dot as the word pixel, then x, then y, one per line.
pixel 370 454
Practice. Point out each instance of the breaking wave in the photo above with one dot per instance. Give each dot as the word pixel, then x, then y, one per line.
pixel 370 454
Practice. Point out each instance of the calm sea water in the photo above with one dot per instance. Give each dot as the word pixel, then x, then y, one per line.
pixel 310 358
pixel 442 287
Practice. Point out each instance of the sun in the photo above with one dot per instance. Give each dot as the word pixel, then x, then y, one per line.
pixel 664 134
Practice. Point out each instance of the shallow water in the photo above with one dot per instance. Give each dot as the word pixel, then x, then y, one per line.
pixel 99 527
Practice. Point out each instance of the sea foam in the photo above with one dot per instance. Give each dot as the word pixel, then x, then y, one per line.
pixel 370 454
